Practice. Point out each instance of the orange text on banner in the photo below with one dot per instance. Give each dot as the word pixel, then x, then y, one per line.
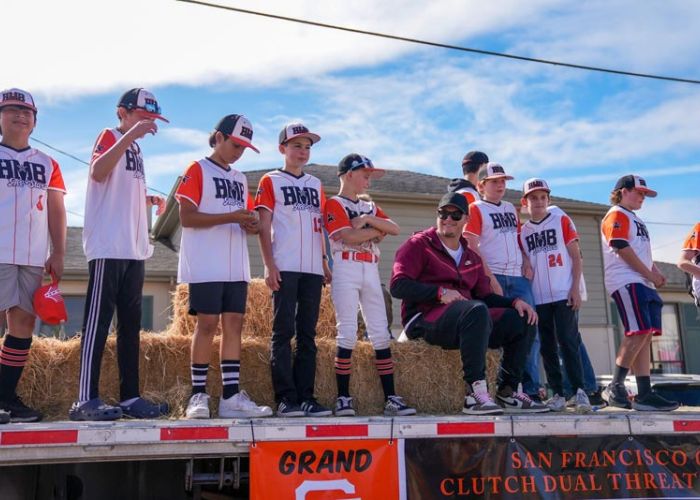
pixel 334 470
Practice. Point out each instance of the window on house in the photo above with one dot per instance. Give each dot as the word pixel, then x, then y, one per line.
pixel 75 306
pixel 667 349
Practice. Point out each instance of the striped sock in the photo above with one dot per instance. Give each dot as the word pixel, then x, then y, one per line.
pixel 343 369
pixel 385 368
pixel 230 374
pixel 199 377
pixel 13 357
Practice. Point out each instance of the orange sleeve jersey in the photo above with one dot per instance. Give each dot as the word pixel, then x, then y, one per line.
pixel 497 225
pixel 338 215
pixel 622 224
pixel 297 206
pixel 220 252
pixel 545 244
pixel 26 177
pixel 692 243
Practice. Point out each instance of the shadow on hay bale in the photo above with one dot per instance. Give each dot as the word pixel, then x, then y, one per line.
pixel 429 377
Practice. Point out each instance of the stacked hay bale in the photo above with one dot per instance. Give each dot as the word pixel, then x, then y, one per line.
pixel 428 377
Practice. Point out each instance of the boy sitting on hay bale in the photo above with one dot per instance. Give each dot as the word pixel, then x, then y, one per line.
pixel 216 212
pixel 448 300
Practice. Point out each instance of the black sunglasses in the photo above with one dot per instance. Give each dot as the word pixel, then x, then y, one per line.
pixel 452 214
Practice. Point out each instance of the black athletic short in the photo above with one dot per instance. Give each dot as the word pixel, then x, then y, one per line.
pixel 216 297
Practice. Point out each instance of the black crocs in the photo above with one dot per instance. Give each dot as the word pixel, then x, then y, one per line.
pixel 142 408
pixel 94 409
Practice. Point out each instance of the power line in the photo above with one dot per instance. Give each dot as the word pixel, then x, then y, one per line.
pixel 441 45
pixel 69 155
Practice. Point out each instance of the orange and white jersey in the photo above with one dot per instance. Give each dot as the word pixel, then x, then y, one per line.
pixel 116 218
pixel 692 243
pixel 497 226
pixel 471 194
pixel 622 224
pixel 216 253
pixel 544 243
pixel 338 214
pixel 297 205
pixel 25 177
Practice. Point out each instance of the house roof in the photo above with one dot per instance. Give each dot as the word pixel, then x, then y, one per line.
pixel 396 182
pixel 676 279
pixel 163 263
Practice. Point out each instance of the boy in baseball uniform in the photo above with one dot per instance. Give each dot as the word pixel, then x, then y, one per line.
pixel 34 214
pixel 116 244
pixel 216 212
pixel 290 204
pixel 492 232
pixel 631 278
pixel 354 227
pixel 690 260
pixel 550 242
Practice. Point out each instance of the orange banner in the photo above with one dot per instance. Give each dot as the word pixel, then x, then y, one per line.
pixel 328 470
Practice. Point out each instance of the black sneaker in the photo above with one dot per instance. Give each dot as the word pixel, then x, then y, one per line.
pixel 616 395
pixel 653 401
pixel 343 407
pixel 596 399
pixel 4 417
pixel 395 407
pixel 478 401
pixel 19 412
pixel 288 409
pixel 518 402
pixel 312 408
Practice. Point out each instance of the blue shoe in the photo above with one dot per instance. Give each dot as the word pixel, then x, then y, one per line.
pixel 94 409
pixel 144 409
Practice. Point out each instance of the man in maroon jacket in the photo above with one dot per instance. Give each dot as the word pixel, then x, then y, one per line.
pixel 447 300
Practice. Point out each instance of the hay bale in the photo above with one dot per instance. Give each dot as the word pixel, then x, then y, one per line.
pixel 258 317
pixel 427 376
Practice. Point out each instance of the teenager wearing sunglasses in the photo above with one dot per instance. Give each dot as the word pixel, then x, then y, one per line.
pixel 447 299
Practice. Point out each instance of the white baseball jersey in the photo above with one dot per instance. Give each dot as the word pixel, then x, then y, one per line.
pixel 25 177
pixel 339 212
pixel 692 243
pixel 622 224
pixel 544 243
pixel 216 253
pixel 297 205
pixel 116 221
pixel 497 225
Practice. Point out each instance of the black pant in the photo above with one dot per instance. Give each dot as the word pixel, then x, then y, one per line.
pixel 467 325
pixel 113 283
pixel 296 305
pixel 559 331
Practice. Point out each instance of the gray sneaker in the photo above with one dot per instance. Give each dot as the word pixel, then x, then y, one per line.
pixel 556 403
pixel 580 402
pixel 343 407
pixel 616 395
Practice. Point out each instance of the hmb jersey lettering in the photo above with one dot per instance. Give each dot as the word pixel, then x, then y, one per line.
pixel 230 191
pixel 501 220
pixel 305 197
pixel 356 213
pixel 541 240
pixel 641 230
pixel 24 173
pixel 134 163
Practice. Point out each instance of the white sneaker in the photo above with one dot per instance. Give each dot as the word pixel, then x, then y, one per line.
pixel 556 403
pixel 241 406
pixel 198 407
pixel 580 402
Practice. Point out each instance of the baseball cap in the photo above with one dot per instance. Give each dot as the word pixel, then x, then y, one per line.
pixel 493 170
pixel 474 159
pixel 239 129
pixel 141 99
pixel 293 130
pixel 535 184
pixel 17 97
pixel 353 161
pixel 634 182
pixel 456 200
pixel 49 305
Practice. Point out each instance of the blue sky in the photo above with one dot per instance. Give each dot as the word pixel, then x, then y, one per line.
pixel 405 106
